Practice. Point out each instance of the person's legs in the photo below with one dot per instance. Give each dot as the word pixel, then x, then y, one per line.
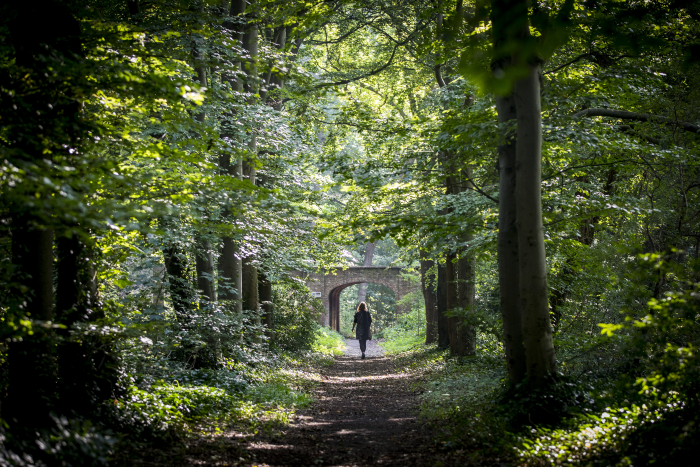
pixel 363 346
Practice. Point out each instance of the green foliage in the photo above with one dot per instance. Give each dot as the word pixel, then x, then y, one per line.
pixel 560 397
pixel 380 301
pixel 280 395
pixel 407 332
pixel 69 442
pixel 296 317
pixel 328 342
pixel 408 329
pixel 458 398
pixel 122 146
pixel 654 418
pixel 167 406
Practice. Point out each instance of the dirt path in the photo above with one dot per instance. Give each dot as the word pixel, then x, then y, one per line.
pixel 364 415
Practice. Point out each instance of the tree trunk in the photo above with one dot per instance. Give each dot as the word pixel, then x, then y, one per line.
pixel 31 360
pixel 204 263
pixel 71 280
pixel 87 371
pixel 178 283
pixel 230 276
pixel 430 299
pixel 537 328
pixel 250 273
pixel 452 300
pixel 230 269
pixel 461 287
pixel 369 254
pixel 204 259
pixel 443 335
pixel 508 258
pixel 466 295
pixel 272 80
pixel 251 300
pixel 265 290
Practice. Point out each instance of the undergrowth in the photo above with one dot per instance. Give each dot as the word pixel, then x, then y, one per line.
pixel 406 333
pixel 328 342
pixel 244 397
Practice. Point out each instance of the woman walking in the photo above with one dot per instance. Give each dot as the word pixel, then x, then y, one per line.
pixel 363 320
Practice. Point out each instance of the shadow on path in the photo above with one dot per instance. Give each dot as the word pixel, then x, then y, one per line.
pixel 364 415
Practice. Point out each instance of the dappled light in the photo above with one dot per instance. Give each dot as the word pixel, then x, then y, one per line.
pixel 349 233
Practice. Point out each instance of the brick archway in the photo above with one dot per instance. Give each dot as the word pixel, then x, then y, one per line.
pixel 329 286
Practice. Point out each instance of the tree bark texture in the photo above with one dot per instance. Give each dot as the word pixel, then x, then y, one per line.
pixel 369 255
pixel 508 257
pixel 460 285
pixel 442 326
pixel 204 259
pixel 466 295
pixel 204 263
pixel 230 271
pixel 537 328
pixel 430 299
pixel 265 292
pixel 250 273
pixel 452 300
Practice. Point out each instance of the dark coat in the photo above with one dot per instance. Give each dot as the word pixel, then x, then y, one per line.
pixel 363 320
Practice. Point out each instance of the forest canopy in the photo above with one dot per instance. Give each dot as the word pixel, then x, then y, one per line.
pixel 172 170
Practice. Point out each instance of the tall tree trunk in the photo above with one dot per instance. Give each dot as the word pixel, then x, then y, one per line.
pixel 230 276
pixel 230 261
pixel 508 257
pixel 537 327
pixel 31 360
pixel 429 298
pixel 466 293
pixel 87 371
pixel 369 255
pixel 250 273
pixel 204 259
pixel 443 335
pixel 251 299
pixel 451 297
pixel 204 263
pixel 265 291
pixel 44 28
pixel 461 288
pixel 452 301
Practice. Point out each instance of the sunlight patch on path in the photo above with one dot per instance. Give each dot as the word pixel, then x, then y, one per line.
pixel 352 348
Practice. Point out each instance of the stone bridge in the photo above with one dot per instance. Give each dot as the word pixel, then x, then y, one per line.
pixel 328 286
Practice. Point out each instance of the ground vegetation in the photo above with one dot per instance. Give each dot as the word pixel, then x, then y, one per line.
pixel 170 170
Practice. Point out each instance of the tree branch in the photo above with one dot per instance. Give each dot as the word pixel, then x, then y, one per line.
pixel 438 76
pixel 378 70
pixel 366 75
pixel 389 100
pixel 570 62
pixel 476 188
pixel 623 114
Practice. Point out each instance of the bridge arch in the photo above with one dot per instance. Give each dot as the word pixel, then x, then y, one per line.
pixel 329 286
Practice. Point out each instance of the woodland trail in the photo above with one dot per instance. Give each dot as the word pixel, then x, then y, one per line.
pixel 364 414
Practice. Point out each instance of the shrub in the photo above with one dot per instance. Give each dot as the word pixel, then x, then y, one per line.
pixel 296 316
